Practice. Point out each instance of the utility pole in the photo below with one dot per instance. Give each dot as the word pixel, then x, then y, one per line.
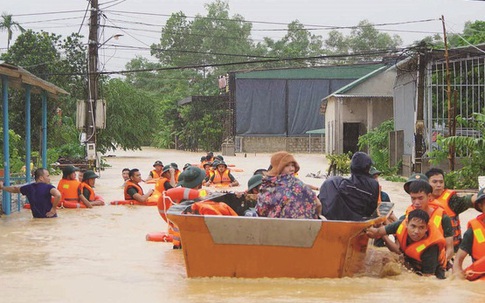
pixel 92 85
pixel 451 109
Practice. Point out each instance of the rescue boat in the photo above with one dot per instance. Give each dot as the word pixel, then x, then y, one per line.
pixel 257 247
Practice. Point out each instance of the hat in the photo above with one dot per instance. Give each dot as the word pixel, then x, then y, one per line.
pixel 220 157
pixel 191 177
pixel 174 165
pixel 360 163
pixel 220 163
pixel 158 162
pixel 207 163
pixel 202 159
pixel 66 171
pixel 278 162
pixel 480 198
pixel 373 171
pixel 215 163
pixel 166 168
pixel 254 181
pixel 414 177
pixel 89 174
pixel 186 165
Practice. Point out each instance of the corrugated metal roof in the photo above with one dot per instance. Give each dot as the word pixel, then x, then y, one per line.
pixel 322 72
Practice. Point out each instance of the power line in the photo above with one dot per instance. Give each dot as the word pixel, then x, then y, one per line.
pixel 199 66
pixel 48 13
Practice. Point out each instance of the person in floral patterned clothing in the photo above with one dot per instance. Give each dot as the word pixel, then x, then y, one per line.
pixel 282 195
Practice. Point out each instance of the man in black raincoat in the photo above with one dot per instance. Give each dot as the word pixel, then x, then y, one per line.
pixel 354 198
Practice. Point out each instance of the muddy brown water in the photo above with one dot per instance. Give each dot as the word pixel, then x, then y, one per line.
pixel 100 254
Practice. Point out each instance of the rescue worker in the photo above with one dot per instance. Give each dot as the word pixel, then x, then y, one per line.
pixel 86 190
pixel 452 204
pixel 167 179
pixel 421 242
pixel 69 184
pixel 157 171
pixel 473 244
pixel 222 175
pixel 133 190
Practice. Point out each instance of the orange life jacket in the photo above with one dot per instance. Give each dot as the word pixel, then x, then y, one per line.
pixel 443 202
pixel 68 189
pixel 155 174
pixel 128 185
pixel 160 185
pixel 478 227
pixel 434 219
pixel 416 249
pixel 221 179
pixel 177 174
pixel 84 185
pixel 213 208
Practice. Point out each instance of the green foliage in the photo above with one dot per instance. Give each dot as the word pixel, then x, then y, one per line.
pixel 40 54
pixel 364 38
pixel 339 163
pixel 7 24
pixel 471 150
pixel 131 117
pixel 376 143
pixel 16 146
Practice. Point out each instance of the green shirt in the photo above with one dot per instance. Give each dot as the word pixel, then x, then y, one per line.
pixel 460 204
pixel 445 223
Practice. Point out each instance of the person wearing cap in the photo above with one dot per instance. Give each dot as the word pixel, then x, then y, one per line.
pixel 207 167
pixel 157 171
pixel 282 195
pixel 251 194
pixel 133 190
pixel 166 180
pixel 176 172
pixel 43 197
pixel 375 173
pixel 473 244
pixel 69 184
pixel 222 176
pixel 420 191
pixel 451 203
pixel 354 198
pixel 419 240
pixel 86 190
pixel 209 157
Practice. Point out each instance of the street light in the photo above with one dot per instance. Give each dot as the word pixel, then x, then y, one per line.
pixel 116 37
pixel 93 94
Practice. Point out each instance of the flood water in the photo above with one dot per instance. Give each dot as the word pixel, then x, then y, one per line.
pixel 101 255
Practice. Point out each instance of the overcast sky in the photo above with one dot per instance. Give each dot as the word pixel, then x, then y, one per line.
pixel 66 17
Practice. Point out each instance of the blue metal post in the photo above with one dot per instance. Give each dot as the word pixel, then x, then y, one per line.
pixel 28 147
pixel 6 199
pixel 44 130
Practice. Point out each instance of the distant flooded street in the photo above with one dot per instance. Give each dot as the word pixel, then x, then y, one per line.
pixel 101 255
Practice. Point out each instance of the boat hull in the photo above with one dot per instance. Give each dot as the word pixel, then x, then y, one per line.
pixel 249 247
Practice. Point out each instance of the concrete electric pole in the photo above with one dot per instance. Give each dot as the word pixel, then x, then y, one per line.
pixel 92 86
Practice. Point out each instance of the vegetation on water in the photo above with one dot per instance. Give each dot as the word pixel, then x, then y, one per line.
pixel 142 107
pixel 339 164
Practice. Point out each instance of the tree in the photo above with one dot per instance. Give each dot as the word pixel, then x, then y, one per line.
pixel 297 43
pixel 364 38
pixel 131 117
pixel 40 54
pixel 9 25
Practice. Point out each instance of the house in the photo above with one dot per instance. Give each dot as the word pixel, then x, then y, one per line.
pixel 357 108
pixel 274 109
pixel 424 107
